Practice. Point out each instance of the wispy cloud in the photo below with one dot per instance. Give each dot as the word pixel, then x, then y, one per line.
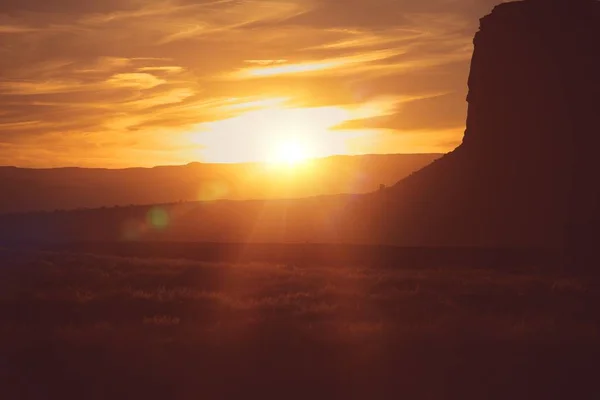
pixel 138 80
pixel 15 29
pixel 172 69
pixel 106 64
pixel 265 62
pixel 40 87
pixel 361 39
pixel 314 66
pixel 225 16
pixel 170 97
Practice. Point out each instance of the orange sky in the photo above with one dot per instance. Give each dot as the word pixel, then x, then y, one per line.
pixel 116 83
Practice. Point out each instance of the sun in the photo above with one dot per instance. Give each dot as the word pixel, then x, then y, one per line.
pixel 290 151
pixel 275 135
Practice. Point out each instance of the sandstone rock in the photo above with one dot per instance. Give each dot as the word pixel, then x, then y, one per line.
pixel 526 173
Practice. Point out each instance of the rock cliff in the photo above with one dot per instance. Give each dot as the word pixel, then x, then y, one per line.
pixel 526 173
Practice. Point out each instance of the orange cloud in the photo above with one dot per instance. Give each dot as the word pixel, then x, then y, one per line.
pixel 170 97
pixel 40 87
pixel 314 66
pixel 15 29
pixel 171 69
pixel 137 80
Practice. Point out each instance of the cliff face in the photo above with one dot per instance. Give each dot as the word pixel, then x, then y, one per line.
pixel 533 104
pixel 534 85
pixel 526 172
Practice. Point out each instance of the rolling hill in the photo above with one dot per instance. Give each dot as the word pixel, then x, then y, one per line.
pixel 25 190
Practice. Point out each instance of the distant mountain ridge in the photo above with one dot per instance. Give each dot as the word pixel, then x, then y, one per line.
pixel 25 190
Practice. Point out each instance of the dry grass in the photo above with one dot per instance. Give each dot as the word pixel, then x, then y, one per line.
pixel 180 329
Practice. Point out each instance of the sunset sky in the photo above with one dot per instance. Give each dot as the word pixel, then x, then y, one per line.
pixel 117 83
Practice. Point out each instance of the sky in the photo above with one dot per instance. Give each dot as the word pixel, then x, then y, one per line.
pixel 121 83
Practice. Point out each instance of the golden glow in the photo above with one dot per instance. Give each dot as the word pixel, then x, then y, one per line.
pixel 291 69
pixel 315 66
pixel 275 134
pixel 290 152
pixel 258 104
pixel 270 67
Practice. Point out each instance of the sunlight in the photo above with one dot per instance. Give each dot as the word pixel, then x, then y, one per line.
pixel 273 135
pixel 290 69
pixel 315 66
pixel 290 152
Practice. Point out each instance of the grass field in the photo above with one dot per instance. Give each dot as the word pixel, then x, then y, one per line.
pixel 81 326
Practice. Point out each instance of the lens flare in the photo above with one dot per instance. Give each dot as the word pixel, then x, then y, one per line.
pixel 213 190
pixel 158 218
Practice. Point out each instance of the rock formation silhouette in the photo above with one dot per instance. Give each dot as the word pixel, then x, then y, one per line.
pixel 525 174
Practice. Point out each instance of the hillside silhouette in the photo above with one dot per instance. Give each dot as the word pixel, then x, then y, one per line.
pixel 524 176
pixel 70 188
